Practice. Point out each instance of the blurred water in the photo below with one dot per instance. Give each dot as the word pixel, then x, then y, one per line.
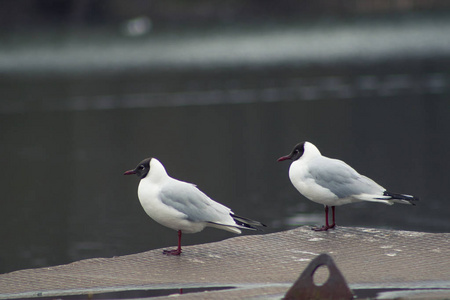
pixel 320 42
pixel 67 139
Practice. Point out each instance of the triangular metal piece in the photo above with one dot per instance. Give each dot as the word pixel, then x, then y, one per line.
pixel 333 289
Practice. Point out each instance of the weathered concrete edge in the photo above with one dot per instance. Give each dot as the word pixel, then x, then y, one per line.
pixel 245 286
pixel 445 284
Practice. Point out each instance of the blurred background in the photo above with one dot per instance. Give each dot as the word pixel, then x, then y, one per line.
pixel 217 91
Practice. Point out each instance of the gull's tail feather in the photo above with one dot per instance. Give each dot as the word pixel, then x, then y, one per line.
pixel 230 228
pixel 240 223
pixel 247 223
pixel 400 198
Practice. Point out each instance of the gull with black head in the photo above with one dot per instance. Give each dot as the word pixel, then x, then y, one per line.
pixel 181 205
pixel 332 182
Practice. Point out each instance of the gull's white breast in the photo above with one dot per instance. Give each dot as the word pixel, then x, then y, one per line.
pixel 149 196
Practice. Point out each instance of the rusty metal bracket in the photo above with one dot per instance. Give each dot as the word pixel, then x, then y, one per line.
pixel 333 289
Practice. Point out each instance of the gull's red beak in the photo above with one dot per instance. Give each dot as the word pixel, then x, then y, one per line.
pixel 129 172
pixel 284 158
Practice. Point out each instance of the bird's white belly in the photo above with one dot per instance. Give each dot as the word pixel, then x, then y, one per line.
pixel 166 215
pixel 315 192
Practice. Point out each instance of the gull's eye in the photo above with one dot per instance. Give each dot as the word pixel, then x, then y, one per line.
pixel 141 167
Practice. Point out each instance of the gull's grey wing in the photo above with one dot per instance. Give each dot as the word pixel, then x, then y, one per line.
pixel 341 179
pixel 192 202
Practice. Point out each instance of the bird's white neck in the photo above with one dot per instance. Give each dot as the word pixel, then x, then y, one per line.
pixel 157 171
pixel 311 151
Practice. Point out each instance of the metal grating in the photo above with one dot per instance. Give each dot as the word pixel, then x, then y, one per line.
pixel 265 264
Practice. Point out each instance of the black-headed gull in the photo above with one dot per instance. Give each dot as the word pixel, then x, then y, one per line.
pixel 332 182
pixel 182 206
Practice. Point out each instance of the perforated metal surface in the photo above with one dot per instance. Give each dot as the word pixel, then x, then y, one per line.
pixel 265 264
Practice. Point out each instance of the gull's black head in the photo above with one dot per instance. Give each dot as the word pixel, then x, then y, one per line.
pixel 296 153
pixel 141 170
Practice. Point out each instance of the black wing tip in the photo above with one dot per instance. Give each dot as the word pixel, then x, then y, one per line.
pixel 398 196
pixel 247 223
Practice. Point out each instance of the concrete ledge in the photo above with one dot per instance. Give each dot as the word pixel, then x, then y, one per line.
pixel 262 265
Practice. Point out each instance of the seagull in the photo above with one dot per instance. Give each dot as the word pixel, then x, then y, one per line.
pixel 332 182
pixel 181 205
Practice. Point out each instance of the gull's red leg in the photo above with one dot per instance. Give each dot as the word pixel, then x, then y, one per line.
pixel 327 225
pixel 178 250
pixel 334 217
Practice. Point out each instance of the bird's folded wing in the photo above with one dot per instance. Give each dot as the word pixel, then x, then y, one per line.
pixel 192 202
pixel 341 179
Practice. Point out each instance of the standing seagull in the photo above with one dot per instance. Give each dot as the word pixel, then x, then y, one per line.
pixel 182 206
pixel 332 182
